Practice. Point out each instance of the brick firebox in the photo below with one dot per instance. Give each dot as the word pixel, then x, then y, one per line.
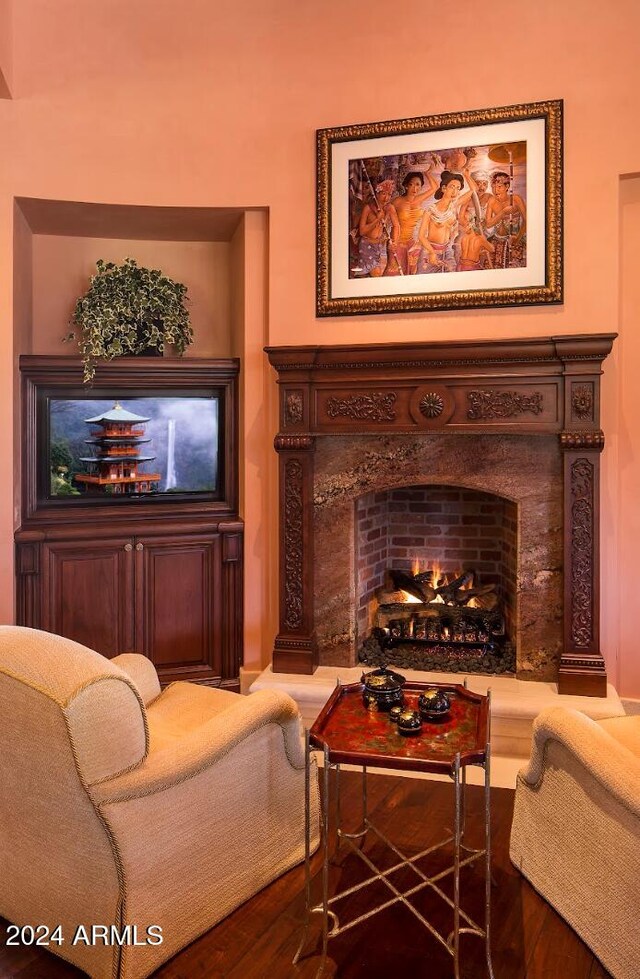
pixel 519 419
pixel 449 527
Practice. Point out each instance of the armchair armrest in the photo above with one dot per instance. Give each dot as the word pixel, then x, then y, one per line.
pixel 606 759
pixel 203 747
pixel 143 673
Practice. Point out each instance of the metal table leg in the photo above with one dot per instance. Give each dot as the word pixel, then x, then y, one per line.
pixel 456 867
pixel 487 868
pixel 307 844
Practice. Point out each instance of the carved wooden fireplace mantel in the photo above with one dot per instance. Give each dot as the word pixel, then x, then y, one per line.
pixel 532 386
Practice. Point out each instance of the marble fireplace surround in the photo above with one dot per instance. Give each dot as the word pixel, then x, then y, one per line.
pixel 517 418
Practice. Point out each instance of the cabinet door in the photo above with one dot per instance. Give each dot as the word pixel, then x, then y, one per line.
pixel 178 606
pixel 87 593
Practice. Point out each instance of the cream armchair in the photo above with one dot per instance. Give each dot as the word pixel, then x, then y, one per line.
pixel 576 829
pixel 121 805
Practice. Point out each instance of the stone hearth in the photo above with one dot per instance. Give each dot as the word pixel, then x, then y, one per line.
pixel 518 420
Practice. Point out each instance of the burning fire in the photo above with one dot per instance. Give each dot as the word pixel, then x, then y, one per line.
pixel 409 599
pixel 422 567
pixel 439 578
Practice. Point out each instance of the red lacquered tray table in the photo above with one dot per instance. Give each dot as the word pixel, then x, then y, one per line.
pixel 347 733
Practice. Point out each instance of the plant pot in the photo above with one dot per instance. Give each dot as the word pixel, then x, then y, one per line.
pixel 148 352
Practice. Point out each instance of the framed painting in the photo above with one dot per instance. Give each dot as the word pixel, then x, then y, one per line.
pixel 441 212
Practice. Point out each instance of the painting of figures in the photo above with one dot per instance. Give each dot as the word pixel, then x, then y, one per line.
pixel 454 211
pixel 457 210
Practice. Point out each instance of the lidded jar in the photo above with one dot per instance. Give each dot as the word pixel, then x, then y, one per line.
pixel 409 722
pixel 434 703
pixel 382 689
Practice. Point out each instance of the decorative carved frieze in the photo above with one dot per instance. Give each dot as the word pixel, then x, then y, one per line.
pixel 431 405
pixel 502 404
pixel 293 442
pixel 592 662
pixel 292 643
pixel 582 402
pixel 582 440
pixel 293 408
pixel 375 407
pixel 582 552
pixel 293 546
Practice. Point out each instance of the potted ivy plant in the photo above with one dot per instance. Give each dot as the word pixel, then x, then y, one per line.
pixel 129 309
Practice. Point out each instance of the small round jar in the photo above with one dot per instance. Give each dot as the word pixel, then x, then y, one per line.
pixel 409 722
pixel 434 704
pixel 395 712
pixel 382 689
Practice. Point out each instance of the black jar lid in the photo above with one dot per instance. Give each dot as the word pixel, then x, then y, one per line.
pixel 383 680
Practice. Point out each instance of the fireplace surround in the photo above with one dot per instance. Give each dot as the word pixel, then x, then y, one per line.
pixel 516 421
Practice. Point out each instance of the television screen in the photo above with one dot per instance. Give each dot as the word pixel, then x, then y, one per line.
pixel 142 446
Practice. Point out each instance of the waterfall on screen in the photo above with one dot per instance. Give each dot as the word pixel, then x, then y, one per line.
pixel 171 461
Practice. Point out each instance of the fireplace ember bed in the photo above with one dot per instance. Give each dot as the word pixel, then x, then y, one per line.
pixel 434 621
pixel 517 419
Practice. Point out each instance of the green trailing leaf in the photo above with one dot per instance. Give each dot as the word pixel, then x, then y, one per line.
pixel 126 310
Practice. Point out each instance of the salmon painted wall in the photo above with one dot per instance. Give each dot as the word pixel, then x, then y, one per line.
pixel 6 48
pixel 216 104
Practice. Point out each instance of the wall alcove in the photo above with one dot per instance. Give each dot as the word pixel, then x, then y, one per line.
pixel 56 245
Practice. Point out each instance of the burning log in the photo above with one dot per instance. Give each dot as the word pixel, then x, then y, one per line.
pixel 485 597
pixel 407 582
pixel 386 597
pixel 400 588
pixel 427 578
pixel 448 592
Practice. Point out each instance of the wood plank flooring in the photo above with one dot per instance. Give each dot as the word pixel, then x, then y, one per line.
pixel 258 941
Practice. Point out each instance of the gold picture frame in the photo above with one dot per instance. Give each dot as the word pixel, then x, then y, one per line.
pixel 403 225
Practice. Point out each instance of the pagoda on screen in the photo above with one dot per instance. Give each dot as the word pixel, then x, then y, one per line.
pixel 114 467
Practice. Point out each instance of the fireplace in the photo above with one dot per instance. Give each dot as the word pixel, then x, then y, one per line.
pixel 436 579
pixel 472 461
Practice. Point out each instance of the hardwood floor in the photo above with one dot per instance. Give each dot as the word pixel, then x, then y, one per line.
pixel 258 941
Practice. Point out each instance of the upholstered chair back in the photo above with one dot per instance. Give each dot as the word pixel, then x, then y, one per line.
pixel 104 717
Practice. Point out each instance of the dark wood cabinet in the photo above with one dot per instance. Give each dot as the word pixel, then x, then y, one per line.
pixel 87 593
pixel 178 589
pixel 176 597
pixel 158 577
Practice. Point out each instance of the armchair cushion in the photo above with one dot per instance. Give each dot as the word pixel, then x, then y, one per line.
pixel 626 730
pixel 175 760
pixel 182 707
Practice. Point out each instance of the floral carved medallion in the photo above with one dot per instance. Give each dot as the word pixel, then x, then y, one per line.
pixel 582 401
pixel 293 408
pixel 431 405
